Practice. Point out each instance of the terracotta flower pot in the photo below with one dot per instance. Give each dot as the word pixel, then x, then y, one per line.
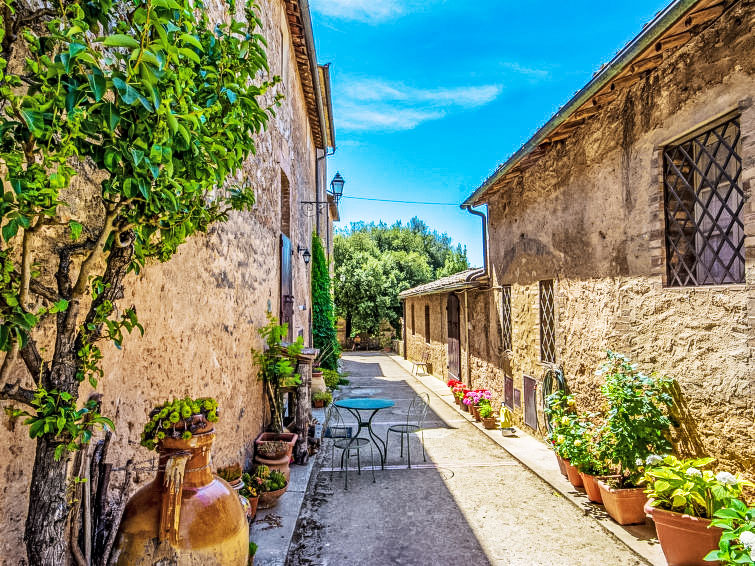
pixel 285 444
pixel 573 474
pixel 625 506
pixel 318 403
pixel 474 409
pixel 685 540
pixel 590 484
pixel 269 499
pixel 561 465
pixel 253 501
pixel 490 423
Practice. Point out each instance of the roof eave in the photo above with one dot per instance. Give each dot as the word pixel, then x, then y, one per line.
pixel 665 19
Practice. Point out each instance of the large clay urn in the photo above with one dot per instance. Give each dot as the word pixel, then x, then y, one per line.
pixel 186 516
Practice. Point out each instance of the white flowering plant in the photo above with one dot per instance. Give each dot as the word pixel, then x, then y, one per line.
pixel 686 486
pixel 737 544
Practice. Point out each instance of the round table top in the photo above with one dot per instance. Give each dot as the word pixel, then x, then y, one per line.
pixel 363 403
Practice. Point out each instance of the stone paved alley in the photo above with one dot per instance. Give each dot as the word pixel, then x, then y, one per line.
pixel 471 503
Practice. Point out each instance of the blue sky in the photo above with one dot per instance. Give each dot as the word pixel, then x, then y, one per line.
pixel 430 96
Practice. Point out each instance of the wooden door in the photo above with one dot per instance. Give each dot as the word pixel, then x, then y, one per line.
pixel 454 351
pixel 287 285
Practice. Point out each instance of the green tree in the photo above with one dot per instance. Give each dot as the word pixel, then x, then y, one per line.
pixel 159 106
pixel 324 335
pixel 375 262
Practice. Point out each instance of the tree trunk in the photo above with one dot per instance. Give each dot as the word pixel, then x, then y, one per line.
pixel 45 536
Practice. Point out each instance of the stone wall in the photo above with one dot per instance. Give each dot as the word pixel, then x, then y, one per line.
pixel 201 310
pixel 588 214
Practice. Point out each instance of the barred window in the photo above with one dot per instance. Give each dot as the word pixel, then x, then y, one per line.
pixel 547 322
pixel 703 200
pixel 506 316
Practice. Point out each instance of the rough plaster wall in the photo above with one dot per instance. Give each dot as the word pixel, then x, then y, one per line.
pixel 418 343
pixel 599 194
pixel 200 312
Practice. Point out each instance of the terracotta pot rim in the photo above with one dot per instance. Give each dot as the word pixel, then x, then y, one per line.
pixel 619 489
pixel 653 511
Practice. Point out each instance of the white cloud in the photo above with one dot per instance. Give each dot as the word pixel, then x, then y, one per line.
pixel 373 104
pixel 361 10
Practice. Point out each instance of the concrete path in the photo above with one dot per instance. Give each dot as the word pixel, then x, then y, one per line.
pixel 471 503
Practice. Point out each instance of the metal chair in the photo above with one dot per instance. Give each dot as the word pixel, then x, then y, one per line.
pixel 415 420
pixel 423 363
pixel 341 435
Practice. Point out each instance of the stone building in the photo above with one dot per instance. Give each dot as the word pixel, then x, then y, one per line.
pixel 624 223
pixel 201 310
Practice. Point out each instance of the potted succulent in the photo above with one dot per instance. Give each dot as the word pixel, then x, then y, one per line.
pixel 737 544
pixel 276 365
pixel 635 427
pixel 233 475
pixel 489 421
pixel 272 486
pixel 684 498
pixel 322 399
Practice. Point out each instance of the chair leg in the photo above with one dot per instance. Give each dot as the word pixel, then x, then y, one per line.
pixel 422 433
pixel 372 462
pixel 387 436
pixel 402 445
pixel 332 460
pixel 409 449
pixel 359 464
pixel 346 471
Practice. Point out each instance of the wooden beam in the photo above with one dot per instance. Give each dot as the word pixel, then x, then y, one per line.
pixel 646 64
pixel 705 15
pixel 673 41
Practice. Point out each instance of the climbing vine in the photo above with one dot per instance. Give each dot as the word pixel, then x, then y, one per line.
pixel 154 107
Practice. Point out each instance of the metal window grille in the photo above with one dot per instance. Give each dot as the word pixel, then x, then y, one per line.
pixel 508 391
pixel 547 322
pixel 530 402
pixel 506 316
pixel 703 200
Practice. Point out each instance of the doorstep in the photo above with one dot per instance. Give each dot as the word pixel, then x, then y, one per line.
pixel 536 456
pixel 273 529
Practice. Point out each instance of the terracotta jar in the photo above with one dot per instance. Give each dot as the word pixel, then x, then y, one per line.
pixel 685 540
pixel 625 506
pixel 186 516
pixel 318 381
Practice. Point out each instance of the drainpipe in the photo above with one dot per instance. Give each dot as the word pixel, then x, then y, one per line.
pixel 466 335
pixel 468 208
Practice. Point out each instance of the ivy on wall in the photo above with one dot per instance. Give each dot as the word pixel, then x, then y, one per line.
pixel 324 335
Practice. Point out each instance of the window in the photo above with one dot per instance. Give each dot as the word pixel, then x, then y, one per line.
pixel 414 326
pixel 506 317
pixel 427 323
pixel 547 322
pixel 285 206
pixel 703 201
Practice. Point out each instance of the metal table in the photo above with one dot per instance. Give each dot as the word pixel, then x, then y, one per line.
pixel 355 405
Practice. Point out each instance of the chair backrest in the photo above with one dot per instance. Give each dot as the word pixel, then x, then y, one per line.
pixel 418 409
pixel 426 356
pixel 334 426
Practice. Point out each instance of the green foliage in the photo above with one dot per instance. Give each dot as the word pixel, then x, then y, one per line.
pixel 277 366
pixel 251 487
pixel 332 378
pixel 560 409
pixel 326 396
pixel 737 544
pixel 252 549
pixel 485 410
pixel 267 479
pixel 230 473
pixel 323 321
pixel 684 486
pixel 178 419
pixel 57 417
pixel 154 100
pixel 637 424
pixel 375 262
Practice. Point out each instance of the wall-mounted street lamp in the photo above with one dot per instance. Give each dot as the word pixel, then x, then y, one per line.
pixel 336 187
pixel 306 255
pixel 312 207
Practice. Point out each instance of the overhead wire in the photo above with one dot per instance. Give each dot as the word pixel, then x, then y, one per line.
pixel 402 201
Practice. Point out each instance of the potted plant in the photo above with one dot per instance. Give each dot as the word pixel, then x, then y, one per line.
pixel 489 421
pixel 635 427
pixel 559 408
pixel 322 399
pixel 583 457
pixel 233 475
pixel 272 486
pixel 252 551
pixel 684 498
pixel 251 491
pixel 276 365
pixel 737 544
pixel 324 353
pixel 459 391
